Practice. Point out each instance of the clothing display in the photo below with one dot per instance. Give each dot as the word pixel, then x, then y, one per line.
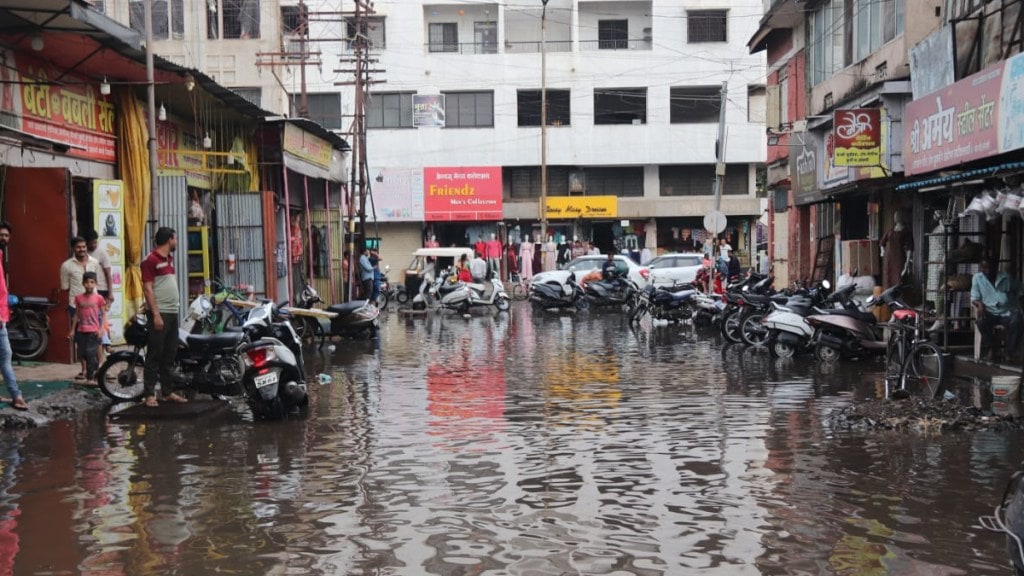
pixel 549 256
pixel 493 254
pixel 526 259
pixel 896 242
pixel 564 254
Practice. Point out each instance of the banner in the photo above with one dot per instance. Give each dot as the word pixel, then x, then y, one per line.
pixel 858 137
pixel 72 113
pixel 308 147
pixel 398 195
pixel 108 208
pixel 561 207
pixel 462 194
pixel 428 110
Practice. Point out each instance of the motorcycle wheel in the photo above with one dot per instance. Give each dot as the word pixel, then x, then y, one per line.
pixel 273 411
pixel 402 296
pixel 731 328
pixel 419 305
pixel 826 353
pixel 502 304
pixel 781 350
pixel 752 331
pixel 582 303
pixel 637 314
pixel 120 377
pixel 382 301
pixel 38 340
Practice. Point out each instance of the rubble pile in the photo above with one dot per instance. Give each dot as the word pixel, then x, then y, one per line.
pixel 921 415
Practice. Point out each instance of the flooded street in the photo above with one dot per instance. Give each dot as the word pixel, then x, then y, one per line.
pixel 515 444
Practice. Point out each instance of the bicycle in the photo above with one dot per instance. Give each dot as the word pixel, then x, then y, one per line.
pixel 224 314
pixel 520 287
pixel 911 358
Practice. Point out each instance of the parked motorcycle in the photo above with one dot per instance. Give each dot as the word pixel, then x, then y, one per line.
pixel 664 304
pixel 618 290
pixel 29 326
pixel 358 318
pixel 846 332
pixel 555 294
pixel 788 332
pixel 274 379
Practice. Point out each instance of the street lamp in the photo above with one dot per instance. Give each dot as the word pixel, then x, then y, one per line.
pixel 543 122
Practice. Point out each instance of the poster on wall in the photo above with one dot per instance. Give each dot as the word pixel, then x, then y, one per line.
pixel 462 193
pixel 428 110
pixel 398 195
pixel 108 220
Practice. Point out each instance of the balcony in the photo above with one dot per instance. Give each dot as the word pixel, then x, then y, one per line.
pixel 615 44
pixel 533 47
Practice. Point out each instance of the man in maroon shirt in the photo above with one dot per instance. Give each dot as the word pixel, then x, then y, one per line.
pixel 160 288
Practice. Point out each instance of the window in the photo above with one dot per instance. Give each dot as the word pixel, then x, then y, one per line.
pixel 620 105
pixel 699 180
pixel 525 181
pixel 784 95
pixel 625 181
pixel 444 37
pixel 468 109
pixel 612 34
pixel 162 21
pixel 232 19
pixel 757 103
pixel 706 26
pixel 293 19
pixel 324 109
pixel 695 104
pixel 485 37
pixel 251 94
pixel 528 107
pixel 830 29
pixel 389 110
pixel 372 32
pixel 875 23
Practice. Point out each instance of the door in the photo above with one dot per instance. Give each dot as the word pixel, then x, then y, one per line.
pixel 36 203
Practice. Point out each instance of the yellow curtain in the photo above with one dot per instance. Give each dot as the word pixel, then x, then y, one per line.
pixel 250 163
pixel 133 161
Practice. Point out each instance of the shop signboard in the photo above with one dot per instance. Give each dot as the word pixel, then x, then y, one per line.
pixel 428 110
pixel 72 112
pixel 108 212
pixel 569 207
pixel 398 195
pixel 174 143
pixel 462 194
pixel 807 167
pixel 308 147
pixel 857 134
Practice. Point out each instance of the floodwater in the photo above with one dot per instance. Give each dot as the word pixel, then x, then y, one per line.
pixel 515 444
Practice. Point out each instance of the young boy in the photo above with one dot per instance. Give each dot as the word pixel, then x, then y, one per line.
pixel 85 328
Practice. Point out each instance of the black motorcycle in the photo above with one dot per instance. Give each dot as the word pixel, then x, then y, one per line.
pixel 553 294
pixel 617 290
pixel 207 363
pixel 29 326
pixel 665 304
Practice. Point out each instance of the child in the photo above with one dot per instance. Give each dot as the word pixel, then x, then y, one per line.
pixel 85 328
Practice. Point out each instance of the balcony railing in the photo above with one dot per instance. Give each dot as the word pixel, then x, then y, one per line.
pixel 462 47
pixel 533 47
pixel 623 44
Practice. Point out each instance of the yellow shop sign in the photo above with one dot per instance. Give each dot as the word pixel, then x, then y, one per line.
pixel 582 207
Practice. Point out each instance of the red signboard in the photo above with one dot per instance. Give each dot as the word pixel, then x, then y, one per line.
pixel 956 124
pixel 461 194
pixel 73 112
pixel 857 137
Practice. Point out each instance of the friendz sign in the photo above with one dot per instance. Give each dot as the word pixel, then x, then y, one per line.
pixel 461 194
pixel 858 137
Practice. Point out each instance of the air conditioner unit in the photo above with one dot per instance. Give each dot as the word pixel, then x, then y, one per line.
pixel 800 126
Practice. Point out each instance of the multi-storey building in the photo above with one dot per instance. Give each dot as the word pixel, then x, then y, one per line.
pixel 633 111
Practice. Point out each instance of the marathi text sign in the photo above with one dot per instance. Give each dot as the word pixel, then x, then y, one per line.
pixel 173 146
pixel 462 194
pixel 308 147
pixel 582 207
pixel 858 137
pixel 428 110
pixel 956 124
pixel 73 113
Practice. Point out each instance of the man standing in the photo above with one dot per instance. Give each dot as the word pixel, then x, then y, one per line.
pixel 71 272
pixel 160 288
pixel 365 273
pixel 994 296
pixel 735 268
pixel 6 368
pixel 478 268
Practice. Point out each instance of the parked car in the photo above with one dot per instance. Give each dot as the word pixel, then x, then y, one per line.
pixel 669 269
pixel 585 264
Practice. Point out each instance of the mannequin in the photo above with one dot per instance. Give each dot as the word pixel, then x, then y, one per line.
pixel 526 257
pixel 564 252
pixel 480 247
pixel 895 247
pixel 493 254
pixel 549 254
pixel 432 243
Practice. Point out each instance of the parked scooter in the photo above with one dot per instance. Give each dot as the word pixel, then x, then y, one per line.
pixel 615 291
pixel 444 292
pixel 788 331
pixel 29 326
pixel 554 294
pixel 490 292
pixel 355 319
pixel 1008 519
pixel 274 380
pixel 846 332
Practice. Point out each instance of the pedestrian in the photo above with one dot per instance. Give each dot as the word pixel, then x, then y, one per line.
pixel 994 296
pixel 71 273
pixel 87 325
pixel 104 283
pixel 462 269
pixel 375 262
pixel 6 368
pixel 160 288
pixel 5 238
pixel 365 272
pixel 478 268
pixel 734 266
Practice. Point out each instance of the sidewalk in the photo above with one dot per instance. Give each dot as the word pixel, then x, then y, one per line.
pixel 50 394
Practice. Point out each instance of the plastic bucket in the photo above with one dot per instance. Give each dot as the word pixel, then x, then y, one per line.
pixel 1005 387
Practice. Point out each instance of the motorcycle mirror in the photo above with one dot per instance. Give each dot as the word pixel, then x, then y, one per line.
pixel 826 284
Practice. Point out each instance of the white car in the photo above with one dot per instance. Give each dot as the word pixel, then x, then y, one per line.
pixel 669 269
pixel 585 264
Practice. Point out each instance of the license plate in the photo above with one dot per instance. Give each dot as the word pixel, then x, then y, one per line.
pixel 266 379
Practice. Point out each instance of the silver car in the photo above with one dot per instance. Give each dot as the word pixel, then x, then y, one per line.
pixel 584 264
pixel 669 269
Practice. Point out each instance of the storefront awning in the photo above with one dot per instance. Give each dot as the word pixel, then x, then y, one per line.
pixel 965 175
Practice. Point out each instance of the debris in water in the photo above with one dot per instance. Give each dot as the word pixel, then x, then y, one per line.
pixel 921 415
pixel 324 378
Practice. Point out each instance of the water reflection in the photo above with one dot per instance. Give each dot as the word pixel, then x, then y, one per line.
pixel 514 444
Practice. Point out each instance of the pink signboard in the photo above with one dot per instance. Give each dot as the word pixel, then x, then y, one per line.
pixel 956 124
pixel 462 194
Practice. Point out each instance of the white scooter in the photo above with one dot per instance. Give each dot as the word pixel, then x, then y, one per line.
pixel 788 330
pixel 445 292
pixel 489 292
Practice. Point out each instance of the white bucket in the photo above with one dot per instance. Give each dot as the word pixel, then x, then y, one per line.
pixel 1005 387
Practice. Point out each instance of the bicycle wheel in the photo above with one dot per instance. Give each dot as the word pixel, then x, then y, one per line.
pixel 922 370
pixel 519 291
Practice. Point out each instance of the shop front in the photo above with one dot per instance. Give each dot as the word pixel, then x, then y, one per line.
pixel 582 219
pixel 463 205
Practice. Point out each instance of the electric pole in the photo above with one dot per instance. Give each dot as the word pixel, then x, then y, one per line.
pixel 288 57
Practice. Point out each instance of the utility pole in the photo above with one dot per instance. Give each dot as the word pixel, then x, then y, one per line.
pixel 543 122
pixel 716 219
pixel 287 57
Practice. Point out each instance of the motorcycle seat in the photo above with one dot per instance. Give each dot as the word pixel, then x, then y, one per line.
pixel 864 316
pixel 757 299
pixel 35 300
pixel 220 341
pixel 346 308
